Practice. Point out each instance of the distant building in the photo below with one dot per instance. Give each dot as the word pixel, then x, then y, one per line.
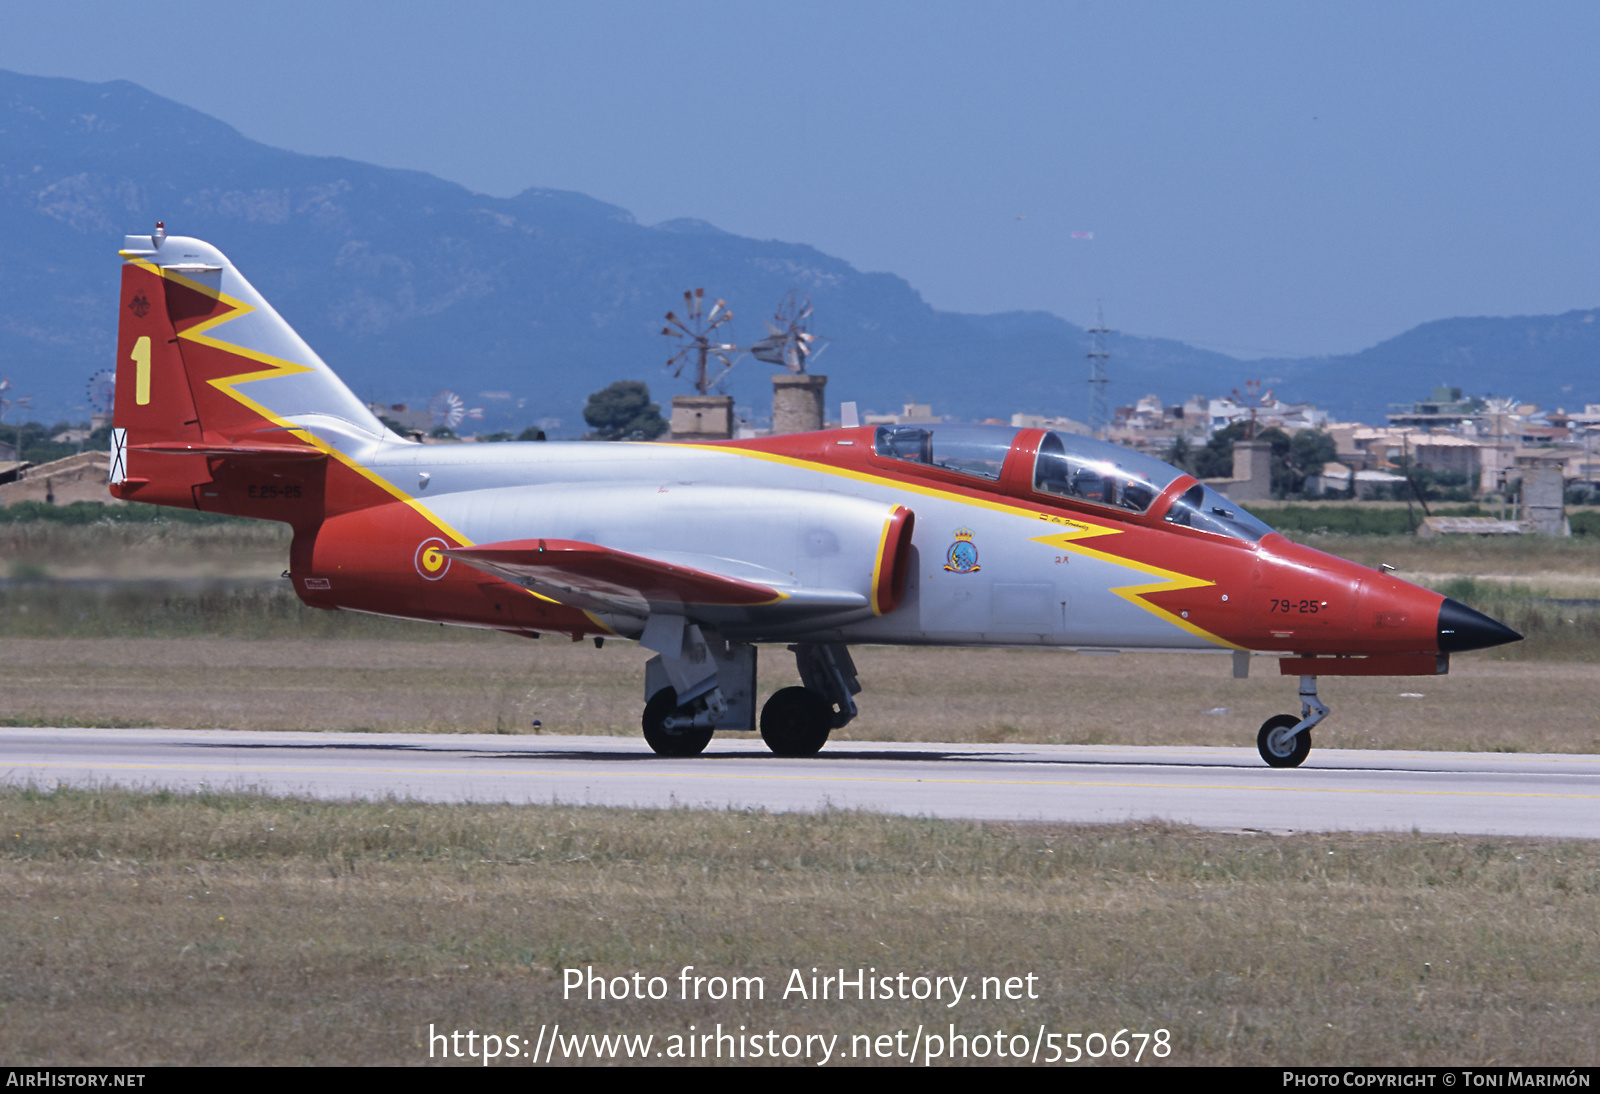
pixel 910 414
pixel 402 415
pixel 1041 421
pixel 83 477
pixel 1447 409
pixel 1269 413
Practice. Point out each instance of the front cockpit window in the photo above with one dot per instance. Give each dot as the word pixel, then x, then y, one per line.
pixel 1087 470
pixel 979 451
pixel 1203 508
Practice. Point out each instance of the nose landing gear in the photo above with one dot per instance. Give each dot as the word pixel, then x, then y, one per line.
pixel 1284 740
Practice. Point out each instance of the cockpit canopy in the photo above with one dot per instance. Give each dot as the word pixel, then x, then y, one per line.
pixel 1073 467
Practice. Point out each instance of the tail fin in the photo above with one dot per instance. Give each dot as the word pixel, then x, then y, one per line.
pixel 206 366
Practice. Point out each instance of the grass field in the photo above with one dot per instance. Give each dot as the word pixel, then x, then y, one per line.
pixel 491 683
pixel 175 930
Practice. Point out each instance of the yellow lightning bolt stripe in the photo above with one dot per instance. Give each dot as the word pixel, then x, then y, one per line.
pixel 1170 581
pixel 885 481
pixel 277 367
pixel 1080 530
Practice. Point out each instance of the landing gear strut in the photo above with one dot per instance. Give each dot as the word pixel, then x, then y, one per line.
pixel 1284 740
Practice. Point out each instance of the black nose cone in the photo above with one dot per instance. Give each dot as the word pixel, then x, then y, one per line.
pixel 1462 628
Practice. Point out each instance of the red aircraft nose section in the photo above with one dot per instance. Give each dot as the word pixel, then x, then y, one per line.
pixel 1312 602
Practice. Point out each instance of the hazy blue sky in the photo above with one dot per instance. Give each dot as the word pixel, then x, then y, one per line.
pixel 1274 178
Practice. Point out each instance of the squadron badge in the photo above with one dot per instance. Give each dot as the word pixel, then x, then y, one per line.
pixel 962 558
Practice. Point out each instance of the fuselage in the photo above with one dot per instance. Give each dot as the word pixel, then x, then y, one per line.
pixel 994 561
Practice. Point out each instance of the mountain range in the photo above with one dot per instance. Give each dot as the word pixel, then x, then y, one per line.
pixel 408 284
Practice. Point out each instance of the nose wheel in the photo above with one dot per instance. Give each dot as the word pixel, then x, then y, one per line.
pixel 1284 740
pixel 1280 745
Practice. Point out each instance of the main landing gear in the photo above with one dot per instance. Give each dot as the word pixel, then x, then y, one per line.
pixel 797 721
pixel 671 730
pixel 719 679
pixel 1284 740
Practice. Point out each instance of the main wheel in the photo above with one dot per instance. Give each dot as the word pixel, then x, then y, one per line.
pixel 1276 745
pixel 796 722
pixel 670 742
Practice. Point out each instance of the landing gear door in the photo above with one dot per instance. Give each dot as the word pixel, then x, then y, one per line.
pixel 736 676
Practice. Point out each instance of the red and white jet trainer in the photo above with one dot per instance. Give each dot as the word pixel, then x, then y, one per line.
pixel 938 535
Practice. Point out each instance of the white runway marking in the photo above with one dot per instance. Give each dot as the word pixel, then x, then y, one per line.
pixel 1488 793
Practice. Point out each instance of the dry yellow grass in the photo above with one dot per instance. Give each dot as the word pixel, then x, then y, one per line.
pixel 144 551
pixel 493 683
pixel 141 930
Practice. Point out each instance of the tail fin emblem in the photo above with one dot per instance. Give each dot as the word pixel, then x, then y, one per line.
pixel 139 305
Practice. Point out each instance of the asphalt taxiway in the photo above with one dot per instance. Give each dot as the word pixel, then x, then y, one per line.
pixel 1228 788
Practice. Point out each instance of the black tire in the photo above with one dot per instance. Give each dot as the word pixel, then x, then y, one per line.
pixel 1293 758
pixel 796 722
pixel 670 742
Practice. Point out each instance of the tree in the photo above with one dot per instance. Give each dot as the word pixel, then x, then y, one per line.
pixel 1294 459
pixel 1181 454
pixel 624 412
pixel 1309 450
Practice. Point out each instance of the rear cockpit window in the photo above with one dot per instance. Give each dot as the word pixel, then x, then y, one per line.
pixel 1203 508
pixel 979 451
pixel 1087 470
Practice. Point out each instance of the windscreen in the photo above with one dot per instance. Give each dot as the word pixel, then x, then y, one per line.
pixel 1088 470
pixel 975 450
pixel 1203 508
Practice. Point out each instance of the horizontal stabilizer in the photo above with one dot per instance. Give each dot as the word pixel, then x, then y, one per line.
pixel 239 451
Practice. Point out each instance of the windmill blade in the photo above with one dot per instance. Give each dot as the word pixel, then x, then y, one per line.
pixel 102 391
pixel 446 409
pixel 770 350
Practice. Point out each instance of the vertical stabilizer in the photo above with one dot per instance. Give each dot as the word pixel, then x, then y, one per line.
pixel 244 368
pixel 204 362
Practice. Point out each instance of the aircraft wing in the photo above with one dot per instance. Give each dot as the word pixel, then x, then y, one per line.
pixel 597 578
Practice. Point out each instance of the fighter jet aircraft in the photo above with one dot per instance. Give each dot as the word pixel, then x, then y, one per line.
pixel 952 535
